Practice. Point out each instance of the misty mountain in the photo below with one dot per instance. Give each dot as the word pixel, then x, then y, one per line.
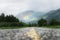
pixel 54 14
pixel 32 16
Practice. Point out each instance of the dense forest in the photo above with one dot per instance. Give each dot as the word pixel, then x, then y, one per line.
pixel 10 21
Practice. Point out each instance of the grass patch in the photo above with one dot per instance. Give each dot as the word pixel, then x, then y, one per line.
pixel 56 26
pixel 16 27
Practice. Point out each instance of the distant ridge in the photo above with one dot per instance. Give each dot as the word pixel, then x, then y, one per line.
pixel 54 14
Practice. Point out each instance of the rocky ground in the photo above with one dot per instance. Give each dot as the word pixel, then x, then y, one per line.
pixel 20 34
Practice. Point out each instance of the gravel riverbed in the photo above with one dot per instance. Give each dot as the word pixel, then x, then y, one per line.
pixel 18 34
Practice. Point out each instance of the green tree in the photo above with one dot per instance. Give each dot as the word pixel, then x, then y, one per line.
pixel 10 21
pixel 11 18
pixel 54 22
pixel 29 24
pixel 42 22
pixel 2 17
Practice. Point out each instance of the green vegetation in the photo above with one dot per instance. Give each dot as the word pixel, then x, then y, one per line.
pixel 8 18
pixel 49 24
pixel 56 26
pixel 42 22
pixel 11 22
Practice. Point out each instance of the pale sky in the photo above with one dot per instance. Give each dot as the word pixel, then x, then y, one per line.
pixel 17 6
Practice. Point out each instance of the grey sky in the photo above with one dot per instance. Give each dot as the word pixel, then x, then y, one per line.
pixel 16 6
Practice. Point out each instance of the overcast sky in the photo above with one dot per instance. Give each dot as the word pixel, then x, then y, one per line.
pixel 17 6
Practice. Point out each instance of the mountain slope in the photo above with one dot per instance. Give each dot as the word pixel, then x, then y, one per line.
pixel 55 14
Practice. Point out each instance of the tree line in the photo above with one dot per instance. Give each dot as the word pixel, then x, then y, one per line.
pixel 44 22
pixel 8 18
pixel 52 22
pixel 10 21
